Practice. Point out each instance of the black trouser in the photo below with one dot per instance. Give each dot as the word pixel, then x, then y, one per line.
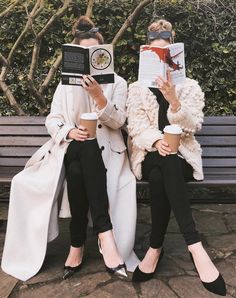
pixel 166 177
pixel 87 188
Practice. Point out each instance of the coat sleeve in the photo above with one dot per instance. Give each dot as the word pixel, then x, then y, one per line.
pixel 55 121
pixel 113 114
pixel 141 131
pixel 190 115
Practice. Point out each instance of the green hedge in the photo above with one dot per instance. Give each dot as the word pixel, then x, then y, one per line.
pixel 208 29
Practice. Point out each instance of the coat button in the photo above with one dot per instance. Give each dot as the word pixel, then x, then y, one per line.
pixel 99 125
pixel 102 148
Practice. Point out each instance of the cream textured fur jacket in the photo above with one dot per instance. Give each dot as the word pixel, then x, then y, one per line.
pixel 142 109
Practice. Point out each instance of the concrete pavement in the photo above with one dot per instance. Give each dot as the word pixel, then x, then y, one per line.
pixel 175 277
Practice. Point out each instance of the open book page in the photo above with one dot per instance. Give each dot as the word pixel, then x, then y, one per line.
pixel 151 65
pixel 176 62
pixel 79 60
pixel 74 59
pixel 101 59
pixel 154 62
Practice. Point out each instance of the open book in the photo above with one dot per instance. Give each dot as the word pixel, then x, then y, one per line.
pixel 96 61
pixel 154 61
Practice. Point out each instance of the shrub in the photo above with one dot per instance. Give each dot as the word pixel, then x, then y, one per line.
pixel 208 29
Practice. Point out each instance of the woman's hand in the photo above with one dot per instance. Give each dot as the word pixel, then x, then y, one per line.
pixel 94 90
pixel 78 134
pixel 167 88
pixel 162 147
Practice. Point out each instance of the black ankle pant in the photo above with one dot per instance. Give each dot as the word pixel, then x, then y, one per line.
pixel 166 177
pixel 87 188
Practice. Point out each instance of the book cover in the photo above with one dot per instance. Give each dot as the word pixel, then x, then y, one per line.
pixel 154 61
pixel 95 60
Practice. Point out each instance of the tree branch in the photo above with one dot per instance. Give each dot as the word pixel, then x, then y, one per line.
pixel 38 94
pixel 60 12
pixel 37 8
pixel 89 9
pixel 50 74
pixel 11 99
pixel 35 11
pixel 34 62
pixel 9 8
pixel 3 60
pixel 6 66
pixel 130 20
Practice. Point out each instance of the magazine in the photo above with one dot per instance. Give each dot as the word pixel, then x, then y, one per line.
pixel 96 61
pixel 154 61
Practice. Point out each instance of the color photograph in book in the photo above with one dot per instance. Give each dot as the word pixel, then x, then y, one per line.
pixel 94 60
pixel 154 61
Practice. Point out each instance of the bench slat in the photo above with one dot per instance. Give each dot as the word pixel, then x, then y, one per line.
pixel 7 173
pixel 18 162
pixel 23 141
pixel 21 120
pixel 222 120
pixel 209 181
pixel 218 130
pixel 219 162
pixel 220 171
pixel 35 120
pixel 17 151
pixel 217 140
pixel 28 151
pixel 24 130
pixel 219 151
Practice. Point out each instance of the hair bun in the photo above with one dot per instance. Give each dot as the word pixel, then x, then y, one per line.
pixel 84 24
pixel 81 30
pixel 160 25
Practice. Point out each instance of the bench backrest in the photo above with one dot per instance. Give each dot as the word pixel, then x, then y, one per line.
pixel 20 137
pixel 218 141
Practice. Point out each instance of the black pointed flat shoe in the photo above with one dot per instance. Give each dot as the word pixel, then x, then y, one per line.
pixel 140 276
pixel 69 271
pixel 217 286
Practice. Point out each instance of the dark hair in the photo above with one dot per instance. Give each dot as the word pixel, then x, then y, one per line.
pixel 82 30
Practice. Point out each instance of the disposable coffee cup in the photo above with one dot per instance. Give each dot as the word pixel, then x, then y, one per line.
pixel 89 120
pixel 172 134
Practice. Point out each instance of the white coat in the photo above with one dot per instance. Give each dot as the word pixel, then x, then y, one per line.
pixel 35 192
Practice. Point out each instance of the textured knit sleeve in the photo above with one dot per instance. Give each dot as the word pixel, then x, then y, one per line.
pixel 139 111
pixel 190 115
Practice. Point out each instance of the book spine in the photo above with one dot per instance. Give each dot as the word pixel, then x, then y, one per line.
pixel 87 62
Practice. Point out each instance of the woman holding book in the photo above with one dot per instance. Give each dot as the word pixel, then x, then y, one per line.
pixel 149 111
pixel 97 173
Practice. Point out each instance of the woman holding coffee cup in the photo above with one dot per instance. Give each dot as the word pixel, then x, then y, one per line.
pixel 96 169
pixel 157 158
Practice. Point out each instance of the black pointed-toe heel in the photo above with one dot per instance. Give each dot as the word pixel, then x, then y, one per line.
pixel 217 286
pixel 140 276
pixel 69 271
pixel 120 270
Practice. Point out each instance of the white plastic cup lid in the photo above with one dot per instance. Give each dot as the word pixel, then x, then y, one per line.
pixel 89 116
pixel 173 129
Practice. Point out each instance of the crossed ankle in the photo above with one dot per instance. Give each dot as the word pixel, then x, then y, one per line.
pixel 155 251
pixel 195 247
